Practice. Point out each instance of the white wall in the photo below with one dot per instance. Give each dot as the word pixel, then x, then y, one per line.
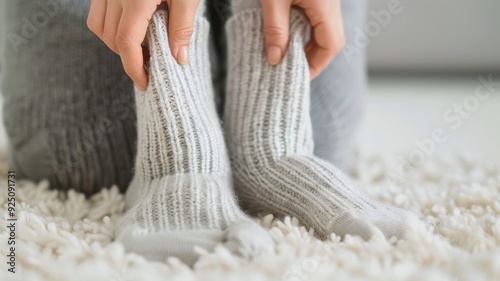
pixel 438 35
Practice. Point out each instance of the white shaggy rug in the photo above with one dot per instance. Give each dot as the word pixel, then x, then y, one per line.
pixel 65 237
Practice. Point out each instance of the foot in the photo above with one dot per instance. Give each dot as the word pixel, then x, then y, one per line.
pixel 182 196
pixel 269 134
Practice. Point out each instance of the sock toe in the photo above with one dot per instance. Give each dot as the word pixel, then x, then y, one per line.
pixel 159 246
pixel 247 238
pixel 394 222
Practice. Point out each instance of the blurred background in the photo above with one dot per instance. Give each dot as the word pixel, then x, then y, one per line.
pixel 424 63
pixel 424 66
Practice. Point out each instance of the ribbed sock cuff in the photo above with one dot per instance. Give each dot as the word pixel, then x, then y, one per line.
pixel 245 32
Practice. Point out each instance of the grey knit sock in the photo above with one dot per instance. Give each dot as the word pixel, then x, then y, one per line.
pixel 181 195
pixel 269 134
pixel 69 108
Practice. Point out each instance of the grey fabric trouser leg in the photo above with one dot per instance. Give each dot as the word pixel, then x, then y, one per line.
pixel 69 108
pixel 337 94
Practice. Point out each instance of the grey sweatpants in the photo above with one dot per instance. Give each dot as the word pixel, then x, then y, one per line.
pixel 69 109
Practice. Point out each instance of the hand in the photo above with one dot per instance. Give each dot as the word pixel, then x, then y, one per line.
pixel 327 37
pixel 122 25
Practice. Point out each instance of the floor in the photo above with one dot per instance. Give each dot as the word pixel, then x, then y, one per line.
pixel 405 110
pixel 66 235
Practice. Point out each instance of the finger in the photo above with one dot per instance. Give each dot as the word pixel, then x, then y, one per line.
pixel 317 58
pixel 131 32
pixel 97 14
pixel 327 38
pixel 180 28
pixel 319 50
pixel 111 23
pixel 276 28
pixel 325 44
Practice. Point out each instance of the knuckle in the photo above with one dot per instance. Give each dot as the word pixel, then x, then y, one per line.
pixel 92 25
pixel 313 70
pixel 315 17
pixel 108 39
pixel 275 31
pixel 131 72
pixel 183 33
pixel 123 40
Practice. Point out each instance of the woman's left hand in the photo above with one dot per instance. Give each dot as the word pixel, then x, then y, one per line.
pixel 327 36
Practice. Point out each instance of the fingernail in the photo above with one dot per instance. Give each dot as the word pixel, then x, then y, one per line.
pixel 274 55
pixel 183 55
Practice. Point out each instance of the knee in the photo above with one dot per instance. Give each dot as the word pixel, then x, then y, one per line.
pixel 31 156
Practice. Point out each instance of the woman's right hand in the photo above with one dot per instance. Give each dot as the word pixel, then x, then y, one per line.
pixel 122 26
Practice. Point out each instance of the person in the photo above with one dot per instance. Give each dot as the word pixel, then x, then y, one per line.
pixel 71 116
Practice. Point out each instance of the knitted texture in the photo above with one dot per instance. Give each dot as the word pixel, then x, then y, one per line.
pixel 181 195
pixel 69 108
pixel 269 135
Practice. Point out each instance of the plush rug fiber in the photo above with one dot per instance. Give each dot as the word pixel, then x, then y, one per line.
pixel 63 236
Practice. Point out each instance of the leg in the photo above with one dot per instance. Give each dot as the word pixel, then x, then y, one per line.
pixel 337 95
pixel 269 134
pixel 181 195
pixel 217 13
pixel 68 106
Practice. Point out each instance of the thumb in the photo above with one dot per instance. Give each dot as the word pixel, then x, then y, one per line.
pixel 276 29
pixel 180 27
